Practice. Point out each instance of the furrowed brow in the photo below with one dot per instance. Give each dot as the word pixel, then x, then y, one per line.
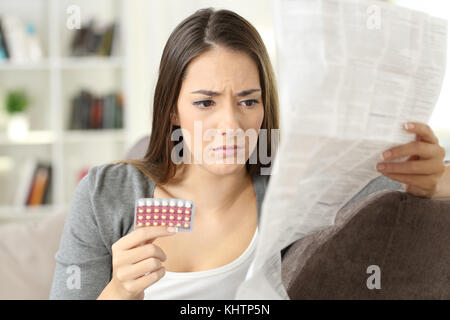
pixel 247 92
pixel 214 93
pixel 207 92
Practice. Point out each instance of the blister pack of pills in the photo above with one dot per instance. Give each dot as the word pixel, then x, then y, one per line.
pixel 177 213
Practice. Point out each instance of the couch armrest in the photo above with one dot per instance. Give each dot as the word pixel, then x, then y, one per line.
pixel 407 237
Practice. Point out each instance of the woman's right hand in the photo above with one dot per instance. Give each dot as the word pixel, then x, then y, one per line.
pixel 136 263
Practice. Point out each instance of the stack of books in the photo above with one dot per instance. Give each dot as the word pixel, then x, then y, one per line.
pixel 96 112
pixel 93 40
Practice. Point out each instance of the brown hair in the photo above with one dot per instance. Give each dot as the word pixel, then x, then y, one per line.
pixel 193 36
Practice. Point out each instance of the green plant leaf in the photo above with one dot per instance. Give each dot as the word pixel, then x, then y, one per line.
pixel 16 101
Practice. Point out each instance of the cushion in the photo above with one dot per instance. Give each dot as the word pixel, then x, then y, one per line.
pixel 27 257
pixel 406 237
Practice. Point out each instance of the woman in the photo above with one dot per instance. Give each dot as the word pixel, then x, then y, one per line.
pixel 215 71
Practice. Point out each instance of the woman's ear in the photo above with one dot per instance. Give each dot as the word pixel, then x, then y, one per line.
pixel 174 119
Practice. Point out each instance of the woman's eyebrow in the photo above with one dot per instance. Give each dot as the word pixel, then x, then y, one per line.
pixel 214 93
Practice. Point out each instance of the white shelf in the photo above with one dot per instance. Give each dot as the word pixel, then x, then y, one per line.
pixel 34 137
pixel 51 83
pixel 43 64
pixel 75 136
pixel 45 137
pixel 64 63
pixel 89 62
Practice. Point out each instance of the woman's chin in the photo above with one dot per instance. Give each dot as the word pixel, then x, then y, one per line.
pixel 222 169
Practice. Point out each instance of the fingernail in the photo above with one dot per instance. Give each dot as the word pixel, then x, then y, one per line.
pixel 380 166
pixel 409 125
pixel 386 154
pixel 172 229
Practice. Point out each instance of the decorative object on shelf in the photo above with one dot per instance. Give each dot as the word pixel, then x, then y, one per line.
pixel 16 106
pixel 34 47
pixel 19 41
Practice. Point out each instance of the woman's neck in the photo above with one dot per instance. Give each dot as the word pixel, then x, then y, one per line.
pixel 215 192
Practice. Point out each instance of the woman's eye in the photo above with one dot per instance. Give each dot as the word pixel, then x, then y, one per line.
pixel 252 101
pixel 204 103
pixel 208 103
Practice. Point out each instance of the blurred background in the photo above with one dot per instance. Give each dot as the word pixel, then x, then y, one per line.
pixel 76 87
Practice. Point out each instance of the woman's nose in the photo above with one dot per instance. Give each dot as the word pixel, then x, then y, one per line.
pixel 228 118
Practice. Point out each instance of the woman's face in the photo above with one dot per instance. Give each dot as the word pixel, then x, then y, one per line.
pixel 220 105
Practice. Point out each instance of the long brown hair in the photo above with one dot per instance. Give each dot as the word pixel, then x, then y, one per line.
pixel 194 35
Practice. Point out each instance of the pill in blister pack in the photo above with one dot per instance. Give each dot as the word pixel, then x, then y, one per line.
pixel 177 213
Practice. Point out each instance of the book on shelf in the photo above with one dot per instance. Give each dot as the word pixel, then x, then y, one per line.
pixel 4 52
pixel 96 112
pixel 106 43
pixel 35 183
pixel 19 41
pixel 92 39
pixel 39 186
pixel 25 181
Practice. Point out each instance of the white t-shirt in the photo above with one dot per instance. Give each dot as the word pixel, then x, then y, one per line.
pixel 213 284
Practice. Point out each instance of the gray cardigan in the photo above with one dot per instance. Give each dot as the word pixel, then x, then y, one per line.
pixel 101 212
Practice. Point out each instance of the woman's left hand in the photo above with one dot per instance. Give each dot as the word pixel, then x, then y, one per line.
pixel 421 173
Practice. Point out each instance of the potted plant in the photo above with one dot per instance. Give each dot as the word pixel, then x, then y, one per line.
pixel 16 108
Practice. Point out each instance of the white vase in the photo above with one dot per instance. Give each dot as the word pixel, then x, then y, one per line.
pixel 18 126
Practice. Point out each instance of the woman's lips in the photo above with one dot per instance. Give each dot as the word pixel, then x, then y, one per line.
pixel 227 147
pixel 228 150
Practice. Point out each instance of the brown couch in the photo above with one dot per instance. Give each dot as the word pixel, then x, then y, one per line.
pixel 407 237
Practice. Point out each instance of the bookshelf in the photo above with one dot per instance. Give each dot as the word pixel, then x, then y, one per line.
pixel 51 83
